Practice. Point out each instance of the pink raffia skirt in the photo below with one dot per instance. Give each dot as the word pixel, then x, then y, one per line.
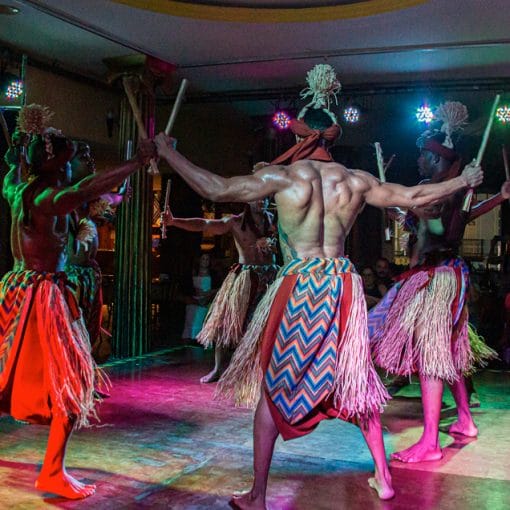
pixel 421 324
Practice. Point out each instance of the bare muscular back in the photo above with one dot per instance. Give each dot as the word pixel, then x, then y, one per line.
pixel 317 211
pixel 317 202
pixel 246 243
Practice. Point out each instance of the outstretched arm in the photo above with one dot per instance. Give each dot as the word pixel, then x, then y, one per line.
pixel 246 188
pixel 389 194
pixel 208 227
pixel 489 204
pixel 62 202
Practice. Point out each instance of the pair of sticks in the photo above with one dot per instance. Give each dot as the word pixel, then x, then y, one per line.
pixel 153 169
pixel 138 115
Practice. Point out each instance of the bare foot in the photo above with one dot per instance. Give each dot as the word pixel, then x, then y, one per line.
pixel 465 429
pixel 211 377
pixel 419 452
pixel 383 488
pixel 64 485
pixel 246 501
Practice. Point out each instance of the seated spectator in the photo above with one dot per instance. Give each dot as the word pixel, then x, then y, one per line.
pixel 374 291
pixel 383 272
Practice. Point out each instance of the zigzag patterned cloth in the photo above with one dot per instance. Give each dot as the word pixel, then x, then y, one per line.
pixel 302 369
pixel 38 311
pixel 13 291
pixel 16 290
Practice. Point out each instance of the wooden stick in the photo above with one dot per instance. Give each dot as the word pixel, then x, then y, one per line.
pixel 168 129
pixel 134 107
pixel 153 168
pixel 380 161
pixel 388 163
pixel 382 178
pixel 176 107
pixel 469 195
pixel 165 208
pixel 487 131
pixel 505 162
pixel 167 194
pixel 5 129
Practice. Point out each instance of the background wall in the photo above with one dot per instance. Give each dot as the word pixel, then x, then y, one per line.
pixel 80 109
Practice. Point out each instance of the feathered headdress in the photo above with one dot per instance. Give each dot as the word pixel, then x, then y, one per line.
pixel 323 86
pixel 34 119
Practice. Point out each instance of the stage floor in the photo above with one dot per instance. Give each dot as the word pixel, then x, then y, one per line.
pixel 163 442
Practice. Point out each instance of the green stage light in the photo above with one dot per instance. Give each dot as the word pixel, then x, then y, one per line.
pixel 503 114
pixel 14 89
pixel 424 114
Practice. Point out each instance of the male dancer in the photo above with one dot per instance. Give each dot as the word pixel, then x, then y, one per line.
pixel 421 325
pixel 246 282
pixel 315 353
pixel 82 268
pixel 46 370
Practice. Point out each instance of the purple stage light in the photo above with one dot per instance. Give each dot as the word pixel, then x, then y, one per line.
pixel 281 120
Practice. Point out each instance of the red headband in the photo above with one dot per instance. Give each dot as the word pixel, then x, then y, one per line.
pixel 310 147
pixel 435 147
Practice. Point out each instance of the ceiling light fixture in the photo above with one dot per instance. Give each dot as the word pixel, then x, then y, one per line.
pixel 281 120
pixel 503 114
pixel 352 114
pixel 424 114
pixel 14 89
pixel 11 87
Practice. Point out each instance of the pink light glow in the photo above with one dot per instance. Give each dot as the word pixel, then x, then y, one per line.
pixel 281 120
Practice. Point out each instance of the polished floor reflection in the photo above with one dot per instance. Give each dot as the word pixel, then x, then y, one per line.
pixel 163 442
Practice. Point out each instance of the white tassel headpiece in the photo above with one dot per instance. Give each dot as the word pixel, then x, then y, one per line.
pixel 322 86
pixel 454 117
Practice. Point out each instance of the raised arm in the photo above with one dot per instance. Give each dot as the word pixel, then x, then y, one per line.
pixel 11 182
pixel 13 159
pixel 489 204
pixel 246 188
pixel 91 187
pixel 389 194
pixel 209 227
